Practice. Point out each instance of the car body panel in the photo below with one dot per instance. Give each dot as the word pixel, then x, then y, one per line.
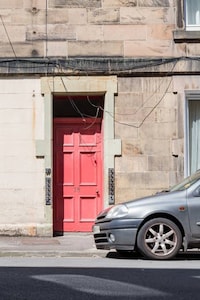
pixel 124 239
pixel 181 205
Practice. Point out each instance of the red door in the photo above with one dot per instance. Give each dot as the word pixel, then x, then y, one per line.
pixel 77 174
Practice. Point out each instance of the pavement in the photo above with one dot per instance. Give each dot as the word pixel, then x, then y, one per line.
pixel 78 244
pixel 69 245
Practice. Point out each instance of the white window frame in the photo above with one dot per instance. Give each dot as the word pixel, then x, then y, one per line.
pixel 190 96
pixel 192 27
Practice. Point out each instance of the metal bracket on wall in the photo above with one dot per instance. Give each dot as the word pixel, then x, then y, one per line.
pixel 48 190
pixel 111 185
pixel 48 186
pixel 48 171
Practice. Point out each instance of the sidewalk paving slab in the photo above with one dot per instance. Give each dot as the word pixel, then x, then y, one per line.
pixel 69 245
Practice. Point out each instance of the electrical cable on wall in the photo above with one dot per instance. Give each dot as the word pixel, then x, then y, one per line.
pixel 63 66
pixel 147 115
pixel 5 29
pixel 82 115
pixel 46 21
pixel 92 65
pixel 111 66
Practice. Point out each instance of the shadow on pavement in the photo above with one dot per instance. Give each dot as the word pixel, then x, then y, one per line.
pixel 190 255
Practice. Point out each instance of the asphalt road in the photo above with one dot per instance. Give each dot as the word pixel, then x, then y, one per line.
pixel 99 278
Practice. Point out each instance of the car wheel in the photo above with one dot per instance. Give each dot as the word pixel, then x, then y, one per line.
pixel 159 239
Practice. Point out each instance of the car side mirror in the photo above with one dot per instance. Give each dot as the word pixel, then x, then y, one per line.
pixel 196 193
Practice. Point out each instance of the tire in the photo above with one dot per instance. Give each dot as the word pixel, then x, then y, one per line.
pixel 159 239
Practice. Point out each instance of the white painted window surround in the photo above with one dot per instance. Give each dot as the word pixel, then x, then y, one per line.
pixel 192 14
pixel 192 132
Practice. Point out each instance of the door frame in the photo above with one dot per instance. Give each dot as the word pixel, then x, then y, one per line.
pixel 87 122
pixel 102 85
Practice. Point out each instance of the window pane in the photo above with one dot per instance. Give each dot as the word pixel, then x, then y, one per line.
pixel 193 12
pixel 194 135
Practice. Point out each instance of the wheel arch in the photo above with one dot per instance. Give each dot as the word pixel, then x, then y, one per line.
pixel 166 216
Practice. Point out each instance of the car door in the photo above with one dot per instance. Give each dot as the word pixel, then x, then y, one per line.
pixel 193 199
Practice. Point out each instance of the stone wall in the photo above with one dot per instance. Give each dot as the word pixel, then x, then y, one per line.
pixel 22 178
pixel 121 28
pixel 150 124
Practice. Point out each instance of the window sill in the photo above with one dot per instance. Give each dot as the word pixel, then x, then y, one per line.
pixel 182 36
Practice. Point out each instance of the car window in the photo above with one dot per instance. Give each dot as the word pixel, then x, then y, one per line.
pixel 186 183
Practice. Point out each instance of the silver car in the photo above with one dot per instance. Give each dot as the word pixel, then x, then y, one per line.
pixel 157 226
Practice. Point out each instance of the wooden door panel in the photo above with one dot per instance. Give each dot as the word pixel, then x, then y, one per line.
pixel 77 175
pixel 87 215
pixel 88 168
pixel 69 209
pixel 68 164
pixel 87 139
